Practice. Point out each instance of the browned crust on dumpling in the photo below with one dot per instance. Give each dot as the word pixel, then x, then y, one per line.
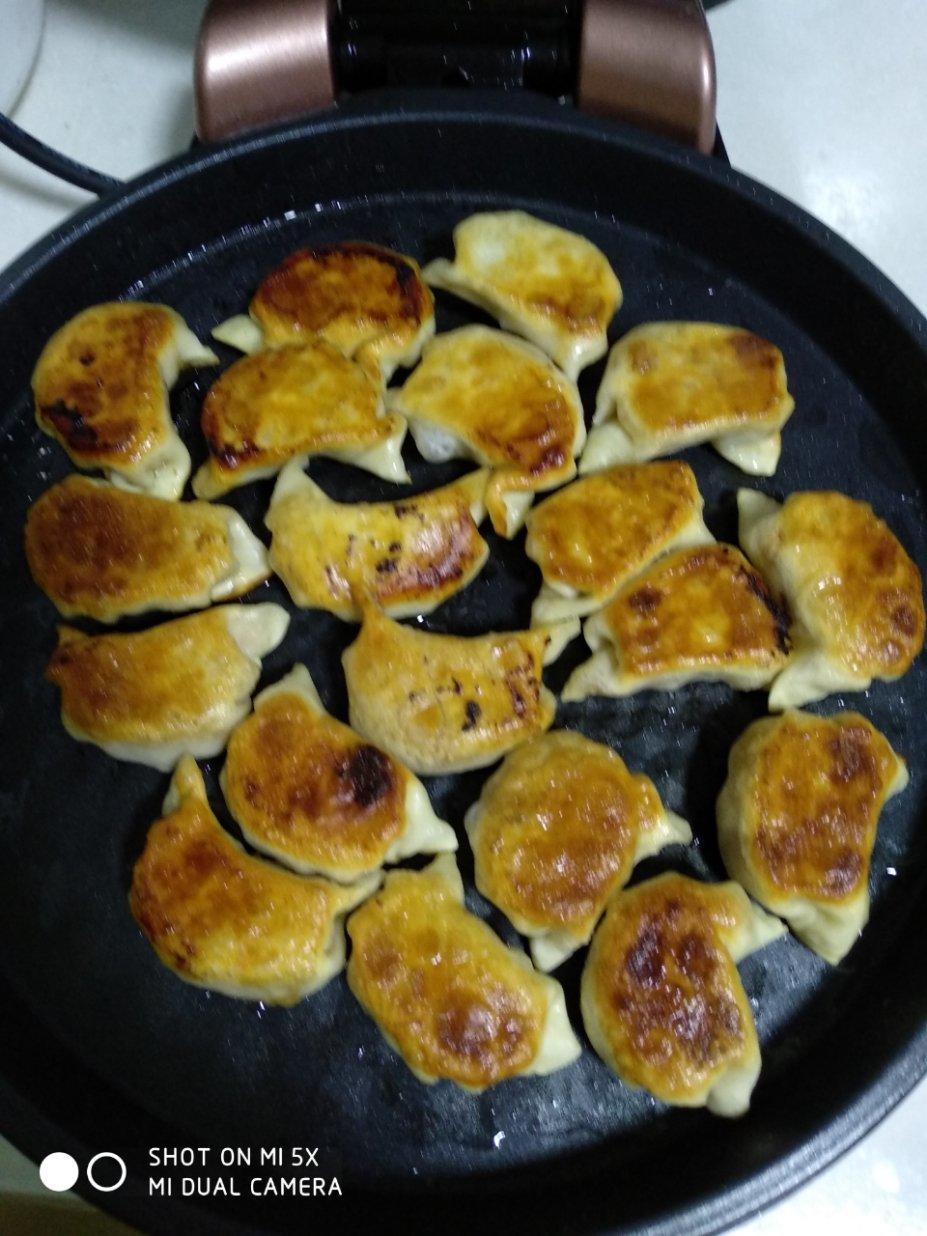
pixel 668 1000
pixel 305 398
pixel 703 374
pixel 98 550
pixel 221 918
pixel 147 685
pixel 442 986
pixel 559 824
pixel 697 608
pixel 601 529
pixel 351 293
pixel 307 786
pixel 97 386
pixel 816 790
pixel 422 548
pixel 860 588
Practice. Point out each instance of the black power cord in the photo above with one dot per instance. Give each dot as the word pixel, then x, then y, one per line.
pixel 50 160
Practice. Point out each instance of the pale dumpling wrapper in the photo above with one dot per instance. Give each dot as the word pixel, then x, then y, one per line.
pixel 556 830
pixel 662 1001
pixel 370 302
pixel 797 820
pixel 855 596
pixel 220 919
pixel 482 394
pixel 292 402
pixel 408 555
pixel 99 551
pixel 454 1001
pixel 101 390
pixel 670 385
pixel 596 533
pixel 448 703
pixel 307 790
pixel 178 688
pixel 701 614
pixel 541 281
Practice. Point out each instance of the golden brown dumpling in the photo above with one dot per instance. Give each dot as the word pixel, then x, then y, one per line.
pixel 174 689
pixel 662 1001
pixel 97 550
pixel 797 820
pixel 446 993
pixel 447 703
pixel 540 281
pixel 409 555
pixel 370 302
pixel 855 596
pixel 484 395
pixel 292 402
pixel 221 919
pixel 101 387
pixel 309 791
pixel 700 614
pixel 593 535
pixel 556 830
pixel 669 385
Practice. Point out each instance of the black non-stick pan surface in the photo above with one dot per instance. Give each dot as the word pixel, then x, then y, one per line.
pixel 104 1049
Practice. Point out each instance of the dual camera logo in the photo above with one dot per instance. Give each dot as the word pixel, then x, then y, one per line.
pixel 59 1171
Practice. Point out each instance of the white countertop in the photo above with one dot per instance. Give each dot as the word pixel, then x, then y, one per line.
pixel 824 100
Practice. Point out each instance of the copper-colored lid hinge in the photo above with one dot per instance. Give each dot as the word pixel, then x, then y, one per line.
pixel 650 63
pixel 647 62
pixel 261 61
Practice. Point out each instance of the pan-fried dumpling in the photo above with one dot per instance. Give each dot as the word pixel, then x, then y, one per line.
pixel 369 301
pixel 409 555
pixel 221 919
pixel 855 596
pixel 547 284
pixel 309 791
pixel 484 395
pixel 662 1001
pixel 700 614
pixel 100 551
pixel 669 385
pixel 447 703
pixel 797 820
pixel 593 535
pixel 181 687
pixel 101 387
pixel 446 993
pixel 292 402
pixel 556 830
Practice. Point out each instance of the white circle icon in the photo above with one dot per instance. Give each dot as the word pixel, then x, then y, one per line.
pixel 107 1188
pixel 59 1171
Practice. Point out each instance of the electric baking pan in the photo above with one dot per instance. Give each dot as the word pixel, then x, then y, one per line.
pixel 101 1048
